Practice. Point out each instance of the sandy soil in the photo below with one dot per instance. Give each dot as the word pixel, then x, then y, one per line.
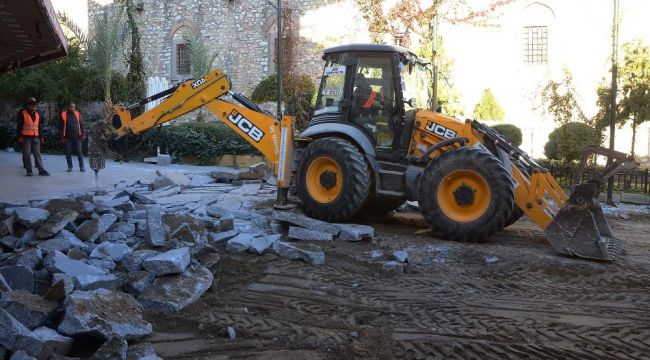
pixel 509 298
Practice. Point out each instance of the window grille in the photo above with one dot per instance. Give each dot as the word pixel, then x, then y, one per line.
pixel 182 59
pixel 535 44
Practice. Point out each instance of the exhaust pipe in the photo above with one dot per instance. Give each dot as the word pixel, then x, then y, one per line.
pixel 580 228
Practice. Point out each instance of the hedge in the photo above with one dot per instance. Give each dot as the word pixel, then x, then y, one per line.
pixel 200 141
pixel 50 133
pixel 567 142
pixel 510 132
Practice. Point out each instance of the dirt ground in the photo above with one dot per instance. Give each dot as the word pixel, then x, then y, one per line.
pixel 509 298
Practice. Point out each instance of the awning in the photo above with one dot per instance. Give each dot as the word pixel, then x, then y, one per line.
pixel 29 34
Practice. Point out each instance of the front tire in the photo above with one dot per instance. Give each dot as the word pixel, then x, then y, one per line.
pixel 466 195
pixel 333 180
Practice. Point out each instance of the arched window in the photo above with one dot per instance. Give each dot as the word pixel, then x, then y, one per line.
pixel 536 18
pixel 180 63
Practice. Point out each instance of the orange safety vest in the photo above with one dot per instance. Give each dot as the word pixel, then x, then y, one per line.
pixel 30 126
pixel 64 116
pixel 371 99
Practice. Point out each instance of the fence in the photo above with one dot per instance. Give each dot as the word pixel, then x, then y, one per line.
pixel 632 181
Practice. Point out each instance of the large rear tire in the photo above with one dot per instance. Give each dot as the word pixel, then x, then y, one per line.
pixel 333 180
pixel 466 195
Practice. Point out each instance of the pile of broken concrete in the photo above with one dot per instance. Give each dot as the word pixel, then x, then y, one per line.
pixel 88 266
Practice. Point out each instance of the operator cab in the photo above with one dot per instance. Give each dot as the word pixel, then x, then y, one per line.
pixel 375 88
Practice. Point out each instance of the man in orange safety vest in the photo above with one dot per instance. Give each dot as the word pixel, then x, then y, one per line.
pixel 71 134
pixel 29 125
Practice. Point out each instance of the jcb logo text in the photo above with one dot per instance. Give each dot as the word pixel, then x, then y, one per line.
pixel 246 126
pixel 440 130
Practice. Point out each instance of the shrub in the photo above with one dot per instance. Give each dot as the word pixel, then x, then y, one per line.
pixel 200 141
pixel 567 142
pixel 510 132
pixel 7 135
pixel 298 91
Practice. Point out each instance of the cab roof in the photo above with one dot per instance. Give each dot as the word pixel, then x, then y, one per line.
pixel 375 48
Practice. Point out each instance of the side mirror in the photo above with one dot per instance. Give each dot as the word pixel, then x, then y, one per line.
pixel 411 102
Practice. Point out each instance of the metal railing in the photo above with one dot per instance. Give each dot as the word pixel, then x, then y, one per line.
pixel 632 181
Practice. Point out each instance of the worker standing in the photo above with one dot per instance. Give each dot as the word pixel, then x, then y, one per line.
pixel 30 124
pixel 71 134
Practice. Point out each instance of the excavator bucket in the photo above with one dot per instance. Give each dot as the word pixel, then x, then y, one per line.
pixel 580 228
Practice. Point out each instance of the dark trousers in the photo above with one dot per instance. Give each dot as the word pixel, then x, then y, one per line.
pixel 73 145
pixel 32 145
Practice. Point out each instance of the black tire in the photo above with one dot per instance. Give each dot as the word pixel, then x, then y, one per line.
pixel 490 213
pixel 517 212
pixel 354 180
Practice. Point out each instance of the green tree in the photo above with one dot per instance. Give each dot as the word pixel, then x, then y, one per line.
pixel 560 99
pixel 568 141
pixel 201 57
pixel 635 86
pixel 103 44
pixel 135 78
pixel 510 132
pixel 488 107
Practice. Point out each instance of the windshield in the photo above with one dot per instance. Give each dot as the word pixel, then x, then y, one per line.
pixel 417 82
pixel 332 84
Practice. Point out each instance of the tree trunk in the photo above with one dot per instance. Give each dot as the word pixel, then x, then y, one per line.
pixel 634 125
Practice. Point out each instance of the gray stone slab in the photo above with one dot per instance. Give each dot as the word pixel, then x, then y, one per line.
pixel 221 237
pixel 183 233
pixel 198 180
pixel 26 239
pixel 259 245
pixel 83 207
pixel 62 286
pixel 401 255
pixel 9 241
pixel 30 258
pixel 123 203
pixel 92 282
pixel 136 282
pixel 165 192
pixel 142 199
pixel 393 266
pixel 306 222
pixel 307 234
pixel 227 174
pixel 170 262
pixel 90 230
pixel 56 223
pixel 173 293
pixel 239 243
pixel 12 330
pixel 63 242
pixel 133 261
pixel 21 355
pixel 137 215
pixel 7 225
pixel 30 217
pixel 31 310
pixel 4 286
pixel 143 351
pixel 114 348
pixel 115 252
pixel 43 342
pixel 247 189
pixel 155 232
pixel 177 178
pixel 19 277
pixel 57 262
pixel 104 314
pixel 300 251
pixel 356 232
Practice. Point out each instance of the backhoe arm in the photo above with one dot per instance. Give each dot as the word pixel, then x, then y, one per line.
pixel 272 137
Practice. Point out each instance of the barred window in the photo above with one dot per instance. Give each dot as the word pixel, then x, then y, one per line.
pixel 182 59
pixel 535 44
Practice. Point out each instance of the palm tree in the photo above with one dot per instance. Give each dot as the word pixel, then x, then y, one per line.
pixel 103 43
pixel 201 60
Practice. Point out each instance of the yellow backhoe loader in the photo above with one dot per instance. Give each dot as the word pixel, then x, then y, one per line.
pixel 373 143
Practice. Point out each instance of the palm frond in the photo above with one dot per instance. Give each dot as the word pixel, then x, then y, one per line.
pixel 67 22
pixel 200 56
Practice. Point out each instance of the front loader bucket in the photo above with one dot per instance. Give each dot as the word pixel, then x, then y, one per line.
pixel 580 228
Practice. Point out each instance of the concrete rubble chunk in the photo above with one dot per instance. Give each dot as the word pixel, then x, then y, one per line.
pixel 90 230
pixel 306 222
pixel 247 189
pixel 165 192
pixel 184 233
pixel 356 232
pixel 40 343
pixel 42 281
pixel 393 266
pixel 307 234
pixel 4 286
pixel 136 282
pixel 175 178
pixel 31 310
pixel 82 206
pixel 155 233
pixel 114 348
pixel 198 180
pixel 63 242
pixel 259 245
pixel 30 258
pixel 173 293
pixel 115 252
pixel 103 313
pixel 141 352
pixel 123 203
pixel 221 237
pixel 59 263
pixel 30 217
pixel 56 223
pixel 7 225
pixel 26 239
pixel 102 263
pixel 142 199
pixel 9 241
pixel 170 262
pixel 300 251
pixel 19 277
pixel 21 355
pixel 227 174
pixel 208 259
pixel 239 243
pixel 401 255
pixel 220 212
pixel 61 288
pixel 133 261
pixel 92 282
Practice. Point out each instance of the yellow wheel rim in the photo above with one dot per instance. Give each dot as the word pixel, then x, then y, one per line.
pixel 324 179
pixel 464 195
